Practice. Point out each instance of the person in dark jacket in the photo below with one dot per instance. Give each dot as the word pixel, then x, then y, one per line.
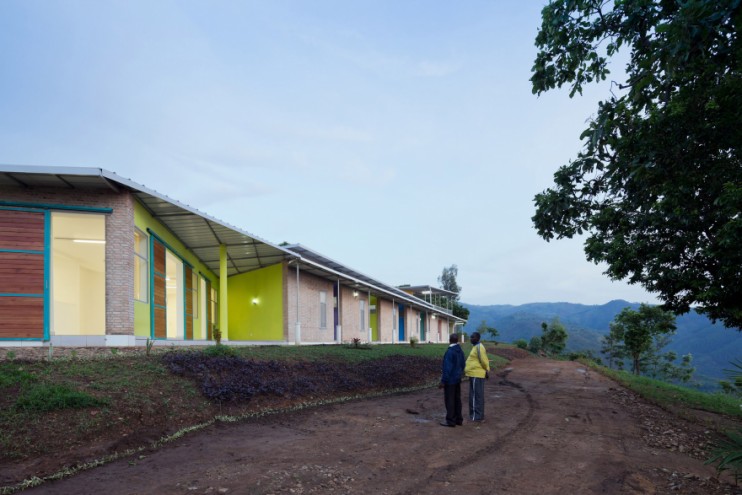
pixel 453 367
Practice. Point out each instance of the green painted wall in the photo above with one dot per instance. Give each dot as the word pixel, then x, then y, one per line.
pixel 263 320
pixel 374 320
pixel 143 221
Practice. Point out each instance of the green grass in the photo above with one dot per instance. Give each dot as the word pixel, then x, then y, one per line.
pixel 45 397
pixel 12 374
pixel 671 396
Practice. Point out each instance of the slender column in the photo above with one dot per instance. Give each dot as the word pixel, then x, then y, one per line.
pixel 223 296
pixel 297 334
pixel 368 318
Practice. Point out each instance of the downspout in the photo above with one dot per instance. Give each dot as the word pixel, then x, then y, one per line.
pixel 368 318
pixel 297 334
pixel 223 297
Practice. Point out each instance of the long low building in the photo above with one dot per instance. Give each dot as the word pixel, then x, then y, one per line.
pixel 88 258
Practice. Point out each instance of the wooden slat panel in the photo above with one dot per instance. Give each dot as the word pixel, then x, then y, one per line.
pixel 159 256
pixel 160 323
pixel 189 327
pixel 21 317
pixel 21 230
pixel 21 273
pixel 159 290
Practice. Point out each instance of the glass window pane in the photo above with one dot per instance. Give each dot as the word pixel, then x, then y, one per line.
pixel 78 296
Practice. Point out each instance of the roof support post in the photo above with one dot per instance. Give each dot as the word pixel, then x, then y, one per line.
pixel 370 330
pixel 297 331
pixel 339 328
pixel 223 297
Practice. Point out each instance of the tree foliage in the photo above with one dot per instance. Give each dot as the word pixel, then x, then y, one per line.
pixel 658 184
pixel 485 329
pixel 447 280
pixel 553 337
pixel 638 330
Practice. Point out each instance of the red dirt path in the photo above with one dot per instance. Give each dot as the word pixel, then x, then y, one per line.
pixel 551 427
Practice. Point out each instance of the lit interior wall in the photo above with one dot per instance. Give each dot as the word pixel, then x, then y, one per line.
pixel 78 274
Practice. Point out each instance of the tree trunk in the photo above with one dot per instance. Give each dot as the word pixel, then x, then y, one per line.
pixel 636 366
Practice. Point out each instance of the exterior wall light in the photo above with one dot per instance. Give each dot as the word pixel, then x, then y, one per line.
pixel 355 293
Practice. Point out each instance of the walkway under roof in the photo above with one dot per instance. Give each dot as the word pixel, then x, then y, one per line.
pixel 322 266
pixel 199 232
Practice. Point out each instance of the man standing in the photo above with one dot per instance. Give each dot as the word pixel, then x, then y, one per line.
pixel 477 369
pixel 453 367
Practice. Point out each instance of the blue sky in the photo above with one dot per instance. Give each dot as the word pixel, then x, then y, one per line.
pixel 397 137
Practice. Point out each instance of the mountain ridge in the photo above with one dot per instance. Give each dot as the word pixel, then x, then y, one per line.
pixel 712 345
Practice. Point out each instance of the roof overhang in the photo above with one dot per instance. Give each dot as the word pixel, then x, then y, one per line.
pixel 322 266
pixel 200 233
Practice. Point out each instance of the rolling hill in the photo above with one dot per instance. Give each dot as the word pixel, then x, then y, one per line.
pixel 711 345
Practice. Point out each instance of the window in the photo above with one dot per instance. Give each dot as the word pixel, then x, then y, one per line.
pixel 78 266
pixel 322 309
pixel 141 266
pixel 362 304
pixel 174 296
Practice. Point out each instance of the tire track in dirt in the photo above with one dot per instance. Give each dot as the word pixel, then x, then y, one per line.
pixel 444 474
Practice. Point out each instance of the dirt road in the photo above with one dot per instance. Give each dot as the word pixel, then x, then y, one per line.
pixel 551 428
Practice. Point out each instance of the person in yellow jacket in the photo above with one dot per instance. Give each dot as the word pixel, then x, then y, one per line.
pixel 478 370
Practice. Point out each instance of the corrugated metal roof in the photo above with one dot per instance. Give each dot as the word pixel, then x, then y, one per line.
pixel 319 264
pixel 199 232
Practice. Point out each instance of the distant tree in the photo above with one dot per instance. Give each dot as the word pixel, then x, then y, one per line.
pixel 639 329
pixel 447 281
pixel 553 337
pixel 657 187
pixel 535 344
pixel 612 347
pixel 521 343
pixel 485 329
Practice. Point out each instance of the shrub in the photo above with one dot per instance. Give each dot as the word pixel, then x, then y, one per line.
pixel 234 379
pixel 45 397
pixel 521 344
pixel 220 350
pixel 535 344
pixel 413 341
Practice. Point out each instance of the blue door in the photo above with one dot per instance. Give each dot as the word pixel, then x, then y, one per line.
pixel 401 323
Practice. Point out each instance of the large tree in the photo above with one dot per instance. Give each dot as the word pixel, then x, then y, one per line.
pixel 447 279
pixel 638 330
pixel 657 186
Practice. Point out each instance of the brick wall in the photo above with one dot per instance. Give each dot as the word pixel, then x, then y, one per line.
pixel 119 244
pixel 309 307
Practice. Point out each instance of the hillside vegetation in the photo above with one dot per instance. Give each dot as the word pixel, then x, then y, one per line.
pixel 713 347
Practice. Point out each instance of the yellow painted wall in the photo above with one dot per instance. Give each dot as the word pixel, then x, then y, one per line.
pixel 374 320
pixel 143 221
pixel 263 320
